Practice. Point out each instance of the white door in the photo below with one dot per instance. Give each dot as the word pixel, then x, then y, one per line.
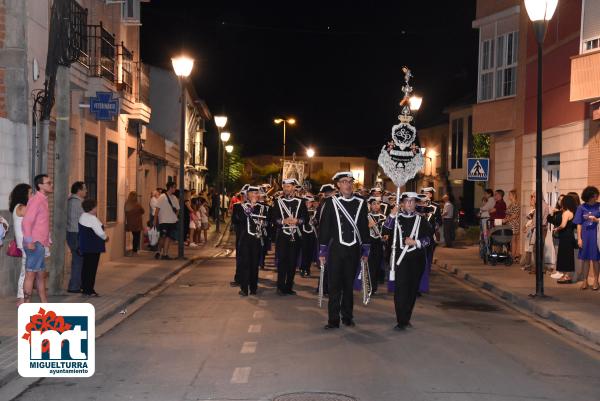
pixel 551 179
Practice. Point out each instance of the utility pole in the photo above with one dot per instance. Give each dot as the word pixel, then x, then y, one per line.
pixel 61 178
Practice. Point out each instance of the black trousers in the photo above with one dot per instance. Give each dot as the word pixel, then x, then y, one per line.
pixel 287 259
pixel 408 278
pixel 448 232
pixel 342 266
pixel 375 259
pixel 88 272
pixel 249 251
pixel 136 240
pixel 309 243
pixel 236 277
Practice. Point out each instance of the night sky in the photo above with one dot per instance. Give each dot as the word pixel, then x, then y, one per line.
pixel 334 66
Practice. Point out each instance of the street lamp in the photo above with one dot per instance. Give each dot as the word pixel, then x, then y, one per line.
pixel 414 102
pixel 225 136
pixel 182 65
pixel 290 121
pixel 310 153
pixel 540 12
pixel 220 122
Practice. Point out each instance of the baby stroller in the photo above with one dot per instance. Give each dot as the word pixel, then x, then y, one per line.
pixel 498 247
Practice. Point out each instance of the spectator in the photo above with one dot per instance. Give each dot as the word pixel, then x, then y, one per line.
pixel 204 223
pixel 153 204
pixel 499 209
pixel 190 225
pixel 484 210
pixel 74 211
pixel 448 221
pixel 533 215
pixel 513 218
pixel 36 238
pixel 165 218
pixel 92 239
pixel 564 229
pixel 586 218
pixel 555 219
pixel 133 220
pixel 17 205
pixel 215 199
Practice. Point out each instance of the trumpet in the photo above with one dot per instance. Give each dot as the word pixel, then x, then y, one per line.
pixel 321 283
pixel 365 277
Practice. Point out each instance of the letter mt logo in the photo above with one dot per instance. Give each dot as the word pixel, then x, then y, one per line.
pixel 57 340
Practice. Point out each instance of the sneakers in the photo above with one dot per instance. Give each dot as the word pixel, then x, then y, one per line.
pixel 556 275
pixel 193 245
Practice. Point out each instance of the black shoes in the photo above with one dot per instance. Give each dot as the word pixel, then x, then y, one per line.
pixel 252 292
pixel 243 293
pixel 402 327
pixel 290 292
pixel 281 293
pixel 157 256
pixel 165 257
pixel 74 291
pixel 234 284
pixel 348 322
pixel 330 326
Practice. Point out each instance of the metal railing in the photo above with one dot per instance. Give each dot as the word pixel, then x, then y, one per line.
pixel 142 89
pixel 79 37
pixel 126 69
pixel 102 52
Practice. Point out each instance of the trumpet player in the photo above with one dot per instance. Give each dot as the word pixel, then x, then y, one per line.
pixel 343 241
pixel 413 235
pixel 289 214
pixel 309 237
pixel 250 218
pixel 376 220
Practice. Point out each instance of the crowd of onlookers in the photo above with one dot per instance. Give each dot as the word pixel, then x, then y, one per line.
pixel 85 234
pixel 572 222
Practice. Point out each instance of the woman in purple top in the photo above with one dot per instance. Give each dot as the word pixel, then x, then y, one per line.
pixel 587 218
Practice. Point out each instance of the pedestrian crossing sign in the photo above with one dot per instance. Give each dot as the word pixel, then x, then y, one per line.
pixel 478 169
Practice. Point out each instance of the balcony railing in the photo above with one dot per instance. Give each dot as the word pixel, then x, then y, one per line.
pixel 142 94
pixel 79 37
pixel 102 52
pixel 126 68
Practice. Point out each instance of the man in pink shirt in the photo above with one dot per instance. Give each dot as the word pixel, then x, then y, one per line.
pixel 36 237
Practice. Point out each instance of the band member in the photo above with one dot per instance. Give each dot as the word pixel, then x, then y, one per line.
pixel 376 220
pixel 237 228
pixel 309 237
pixel 343 241
pixel 326 191
pixel 267 227
pixel 250 218
pixel 413 235
pixel 433 214
pixel 289 214
pixel 377 192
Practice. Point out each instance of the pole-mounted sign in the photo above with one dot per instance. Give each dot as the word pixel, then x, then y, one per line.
pixel 104 106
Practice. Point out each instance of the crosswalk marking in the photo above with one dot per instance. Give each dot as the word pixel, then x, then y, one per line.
pixel 259 314
pixel 240 375
pixel 254 328
pixel 249 347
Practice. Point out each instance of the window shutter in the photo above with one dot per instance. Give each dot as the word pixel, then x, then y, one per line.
pixel 130 12
pixel 591 20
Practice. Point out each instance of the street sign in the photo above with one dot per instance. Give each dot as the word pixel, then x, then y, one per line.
pixel 478 169
pixel 104 106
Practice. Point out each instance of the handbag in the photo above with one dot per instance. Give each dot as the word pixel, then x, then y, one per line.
pixel 13 250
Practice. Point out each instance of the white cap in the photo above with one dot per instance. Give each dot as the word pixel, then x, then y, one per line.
pixel 373 199
pixel 343 174
pixel 292 181
pixel 406 195
pixel 428 189
pixel 252 189
pixel 327 188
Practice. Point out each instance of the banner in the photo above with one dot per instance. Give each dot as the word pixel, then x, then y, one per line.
pixel 293 169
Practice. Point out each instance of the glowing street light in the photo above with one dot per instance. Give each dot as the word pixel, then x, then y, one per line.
pixel 414 102
pixel 229 148
pixel 220 121
pixel 225 135
pixel 540 12
pixel 182 65
pixel 290 121
pixel 310 152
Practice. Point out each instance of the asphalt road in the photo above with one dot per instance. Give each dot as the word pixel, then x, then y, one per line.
pixel 199 340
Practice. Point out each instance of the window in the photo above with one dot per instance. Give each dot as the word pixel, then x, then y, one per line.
pixel 591 44
pixel 112 172
pixel 470 136
pixel 498 57
pixel 344 166
pixel 90 168
pixel 456 156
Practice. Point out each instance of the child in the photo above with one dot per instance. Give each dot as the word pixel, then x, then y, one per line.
pixel 92 239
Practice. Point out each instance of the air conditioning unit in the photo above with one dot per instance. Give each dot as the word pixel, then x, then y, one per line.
pixel 130 12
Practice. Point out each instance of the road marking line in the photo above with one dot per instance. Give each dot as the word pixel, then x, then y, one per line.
pixel 249 347
pixel 254 328
pixel 262 302
pixel 240 375
pixel 259 314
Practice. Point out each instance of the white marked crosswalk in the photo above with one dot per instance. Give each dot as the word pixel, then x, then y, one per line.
pixel 255 328
pixel 240 375
pixel 249 347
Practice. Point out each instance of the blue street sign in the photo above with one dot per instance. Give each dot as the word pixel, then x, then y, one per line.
pixel 104 106
pixel 478 169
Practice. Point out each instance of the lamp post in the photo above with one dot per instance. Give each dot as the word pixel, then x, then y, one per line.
pixel 220 122
pixel 539 12
pixel 310 153
pixel 182 65
pixel 225 136
pixel 228 149
pixel 290 121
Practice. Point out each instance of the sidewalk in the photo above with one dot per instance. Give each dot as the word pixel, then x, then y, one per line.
pixel 566 305
pixel 120 282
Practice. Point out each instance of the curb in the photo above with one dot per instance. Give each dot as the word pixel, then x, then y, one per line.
pixel 524 303
pixel 13 385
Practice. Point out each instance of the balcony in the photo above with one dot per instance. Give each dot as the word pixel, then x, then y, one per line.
pixel 585 77
pixel 126 68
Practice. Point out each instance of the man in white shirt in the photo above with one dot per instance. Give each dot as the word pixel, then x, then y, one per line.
pixel 165 217
pixel 484 211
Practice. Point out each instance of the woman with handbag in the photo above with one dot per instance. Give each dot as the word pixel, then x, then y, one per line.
pixel 133 220
pixel 17 206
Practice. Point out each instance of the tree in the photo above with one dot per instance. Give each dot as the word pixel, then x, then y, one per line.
pixel 234 168
pixel 481 145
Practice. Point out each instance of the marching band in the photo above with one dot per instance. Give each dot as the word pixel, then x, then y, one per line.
pixel 356 240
